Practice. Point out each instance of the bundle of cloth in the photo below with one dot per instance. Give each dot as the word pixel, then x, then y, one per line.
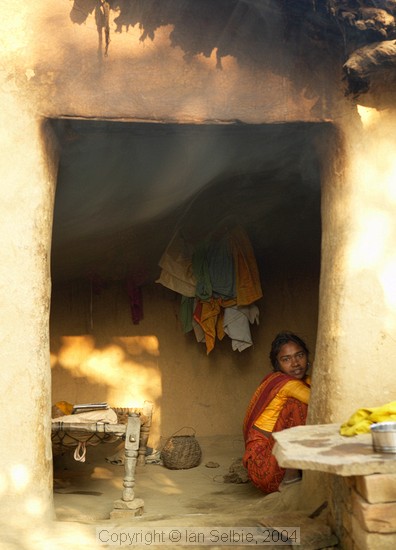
pixel 219 283
pixel 362 419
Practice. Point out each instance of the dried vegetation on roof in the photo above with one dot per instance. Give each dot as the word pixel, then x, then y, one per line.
pixel 362 33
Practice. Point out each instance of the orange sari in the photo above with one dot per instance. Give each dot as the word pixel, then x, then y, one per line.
pixel 263 468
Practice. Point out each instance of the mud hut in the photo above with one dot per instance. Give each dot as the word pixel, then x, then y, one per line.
pixel 126 122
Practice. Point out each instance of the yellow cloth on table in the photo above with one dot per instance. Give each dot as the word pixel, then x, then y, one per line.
pixel 361 420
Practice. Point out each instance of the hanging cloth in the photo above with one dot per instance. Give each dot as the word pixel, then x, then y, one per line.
pixel 221 268
pixel 135 301
pixel 200 267
pixel 237 325
pixel 209 316
pixel 248 286
pixel 186 313
pixel 176 263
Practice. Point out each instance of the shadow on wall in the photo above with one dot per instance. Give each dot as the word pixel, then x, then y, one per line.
pixel 123 371
pixel 255 34
pixel 126 364
pixel 198 27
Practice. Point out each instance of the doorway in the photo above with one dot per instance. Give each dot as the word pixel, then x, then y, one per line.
pixel 123 190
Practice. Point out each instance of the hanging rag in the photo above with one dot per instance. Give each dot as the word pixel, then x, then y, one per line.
pixel 176 267
pixel 135 301
pixel 200 267
pixel 221 268
pixel 248 286
pixel 198 331
pixel 209 316
pixel 236 324
pixel 186 313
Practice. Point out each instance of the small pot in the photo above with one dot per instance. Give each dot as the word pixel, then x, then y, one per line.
pixel 384 437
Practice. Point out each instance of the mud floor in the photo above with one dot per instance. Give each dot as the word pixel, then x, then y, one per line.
pixel 198 497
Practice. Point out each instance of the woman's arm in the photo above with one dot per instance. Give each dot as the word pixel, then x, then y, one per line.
pixel 296 389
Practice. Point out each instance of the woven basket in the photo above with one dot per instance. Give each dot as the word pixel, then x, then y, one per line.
pixel 181 452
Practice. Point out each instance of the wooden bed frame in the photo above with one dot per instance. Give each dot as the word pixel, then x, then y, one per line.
pixel 135 432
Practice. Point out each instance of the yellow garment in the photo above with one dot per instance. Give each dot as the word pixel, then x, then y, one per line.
pixel 211 323
pixel 361 420
pixel 294 388
pixel 65 407
pixel 211 320
pixel 248 286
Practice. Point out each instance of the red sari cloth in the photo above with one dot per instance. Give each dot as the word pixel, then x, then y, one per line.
pixel 263 468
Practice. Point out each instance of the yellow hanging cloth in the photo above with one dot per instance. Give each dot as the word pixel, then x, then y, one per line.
pixel 211 320
pixel 361 420
pixel 247 274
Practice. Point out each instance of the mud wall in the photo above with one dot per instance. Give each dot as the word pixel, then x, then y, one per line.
pixel 126 364
pixel 357 313
pixel 209 63
pixel 184 61
pixel 226 61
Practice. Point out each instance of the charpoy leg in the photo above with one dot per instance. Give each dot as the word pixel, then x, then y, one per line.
pixel 128 505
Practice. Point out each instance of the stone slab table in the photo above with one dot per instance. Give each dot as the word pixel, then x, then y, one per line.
pixel 361 484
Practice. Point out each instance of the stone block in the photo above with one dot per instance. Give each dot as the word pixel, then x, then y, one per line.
pixel 125 513
pixel 134 504
pixel 378 518
pixel 127 509
pixel 364 540
pixel 377 487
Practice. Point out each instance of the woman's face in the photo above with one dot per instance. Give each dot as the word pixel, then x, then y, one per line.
pixel 292 360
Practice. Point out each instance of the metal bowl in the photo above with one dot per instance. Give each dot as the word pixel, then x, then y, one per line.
pixel 384 437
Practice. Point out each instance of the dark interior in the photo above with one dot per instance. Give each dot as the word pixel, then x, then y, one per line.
pixel 123 190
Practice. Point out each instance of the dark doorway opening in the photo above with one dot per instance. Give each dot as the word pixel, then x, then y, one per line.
pixel 124 188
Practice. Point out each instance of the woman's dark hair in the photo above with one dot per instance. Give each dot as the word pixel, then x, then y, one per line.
pixel 281 339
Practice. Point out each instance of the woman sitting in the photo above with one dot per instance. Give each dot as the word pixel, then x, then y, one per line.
pixel 280 402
